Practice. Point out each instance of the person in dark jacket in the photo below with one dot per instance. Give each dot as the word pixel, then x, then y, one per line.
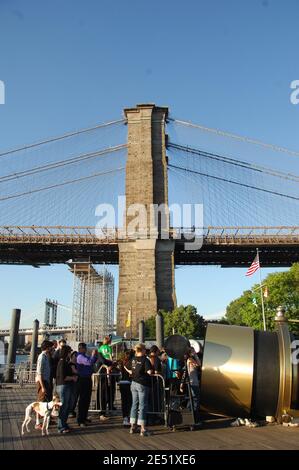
pixel 155 396
pixel 64 378
pixel 103 366
pixel 55 356
pixel 125 387
pixel 74 385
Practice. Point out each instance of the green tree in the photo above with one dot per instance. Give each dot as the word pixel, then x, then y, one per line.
pixel 150 328
pixel 283 289
pixel 183 320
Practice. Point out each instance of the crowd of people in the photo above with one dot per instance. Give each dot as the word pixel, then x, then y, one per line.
pixel 71 375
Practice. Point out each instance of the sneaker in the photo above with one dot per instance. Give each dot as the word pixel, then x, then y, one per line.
pixel 64 431
pixel 146 433
pixel 126 422
pixel 72 415
pixel 104 418
pixel 251 424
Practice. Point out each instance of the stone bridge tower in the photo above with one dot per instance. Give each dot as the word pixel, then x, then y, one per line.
pixel 146 263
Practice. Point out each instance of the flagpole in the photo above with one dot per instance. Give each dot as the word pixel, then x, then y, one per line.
pixel 261 288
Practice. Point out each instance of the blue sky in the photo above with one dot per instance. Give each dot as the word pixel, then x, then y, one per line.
pixel 71 64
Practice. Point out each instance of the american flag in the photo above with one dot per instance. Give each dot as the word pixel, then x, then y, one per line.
pixel 255 265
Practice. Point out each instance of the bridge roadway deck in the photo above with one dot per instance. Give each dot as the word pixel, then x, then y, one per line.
pixel 224 246
pixel 216 433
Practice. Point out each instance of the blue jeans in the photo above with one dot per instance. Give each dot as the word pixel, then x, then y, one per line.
pixel 139 403
pixel 65 395
pixel 195 393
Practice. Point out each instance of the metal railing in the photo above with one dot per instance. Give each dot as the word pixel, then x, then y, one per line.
pixel 107 398
pixel 21 374
pixel 105 394
pixel 90 235
pixel 26 377
pixel 50 330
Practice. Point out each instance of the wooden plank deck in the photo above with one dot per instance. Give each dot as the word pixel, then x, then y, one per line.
pixel 215 435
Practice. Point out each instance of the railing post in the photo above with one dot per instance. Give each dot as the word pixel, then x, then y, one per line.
pixel 159 330
pixel 13 342
pixel 33 351
pixel 141 331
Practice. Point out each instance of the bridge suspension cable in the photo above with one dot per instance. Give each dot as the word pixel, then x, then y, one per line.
pixel 26 193
pixel 232 161
pixel 61 137
pixel 233 182
pixel 230 135
pixel 61 163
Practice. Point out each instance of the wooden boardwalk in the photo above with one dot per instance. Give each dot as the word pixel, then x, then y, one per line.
pixel 216 433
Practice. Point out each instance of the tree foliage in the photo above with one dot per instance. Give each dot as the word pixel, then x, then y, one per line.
pixel 183 320
pixel 283 289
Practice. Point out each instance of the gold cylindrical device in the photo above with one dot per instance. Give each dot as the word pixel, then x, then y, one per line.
pixel 227 371
pixel 249 373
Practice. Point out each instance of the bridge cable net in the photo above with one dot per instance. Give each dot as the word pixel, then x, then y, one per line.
pixel 260 188
pixel 61 180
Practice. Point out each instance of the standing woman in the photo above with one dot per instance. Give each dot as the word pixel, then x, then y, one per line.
pixel 64 379
pixel 74 385
pixel 155 396
pixel 125 388
pixel 139 369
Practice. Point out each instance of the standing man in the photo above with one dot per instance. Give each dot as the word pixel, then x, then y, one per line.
pixel 43 374
pixel 55 356
pixel 85 365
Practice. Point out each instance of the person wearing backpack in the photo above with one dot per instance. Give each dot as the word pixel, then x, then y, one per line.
pixel 139 368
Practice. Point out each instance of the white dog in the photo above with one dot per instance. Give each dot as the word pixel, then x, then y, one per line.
pixel 43 409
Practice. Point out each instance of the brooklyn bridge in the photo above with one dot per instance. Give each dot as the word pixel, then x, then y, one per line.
pixel 50 192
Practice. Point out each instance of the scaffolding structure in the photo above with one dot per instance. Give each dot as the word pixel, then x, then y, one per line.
pixel 93 302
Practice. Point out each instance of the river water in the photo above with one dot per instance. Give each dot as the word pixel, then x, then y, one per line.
pixel 22 358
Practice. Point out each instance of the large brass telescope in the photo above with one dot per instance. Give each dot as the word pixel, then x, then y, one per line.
pixel 250 373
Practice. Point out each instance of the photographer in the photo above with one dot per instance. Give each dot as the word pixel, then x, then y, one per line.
pixel 192 371
pixel 85 370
